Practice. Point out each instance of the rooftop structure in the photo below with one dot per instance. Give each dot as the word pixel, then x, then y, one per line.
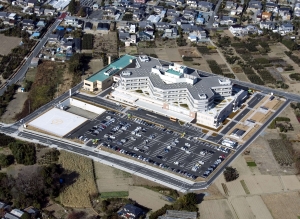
pixel 174 87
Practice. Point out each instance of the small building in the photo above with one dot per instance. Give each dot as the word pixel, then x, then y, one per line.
pixel 130 211
pixel 41 24
pixel 31 3
pixel 171 214
pixel 266 16
pixel 77 44
pixel 28 23
pixel 103 27
pixel 88 26
pixel 34 62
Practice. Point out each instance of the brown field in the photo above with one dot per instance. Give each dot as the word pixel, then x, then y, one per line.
pixel 8 43
pixel 284 205
pixel 242 76
pixel 14 107
pixel 110 179
pixel 81 186
pixel 291 182
pixel 272 104
pixel 147 198
pixel 107 43
pixel 266 117
pixel 189 52
pixel 261 117
pixel 215 209
pixel 258 207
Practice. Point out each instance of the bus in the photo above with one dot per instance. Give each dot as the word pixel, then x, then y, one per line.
pixel 173 119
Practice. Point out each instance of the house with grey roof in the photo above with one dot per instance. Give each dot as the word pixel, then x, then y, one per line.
pixel 286 28
pixel 161 26
pixel 254 5
pixel 205 6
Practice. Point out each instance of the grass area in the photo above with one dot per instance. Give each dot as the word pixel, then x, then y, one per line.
pixel 31 73
pixel 214 134
pixel 166 191
pixel 181 122
pixel 184 105
pixel 245 187
pixel 120 194
pixel 251 164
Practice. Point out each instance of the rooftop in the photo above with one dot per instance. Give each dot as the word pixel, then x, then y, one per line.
pixel 171 71
pixel 111 69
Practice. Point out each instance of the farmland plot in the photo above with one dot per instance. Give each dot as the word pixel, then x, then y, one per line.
pixel 215 209
pixel 280 152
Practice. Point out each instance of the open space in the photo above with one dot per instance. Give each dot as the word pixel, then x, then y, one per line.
pixel 215 209
pixel 8 43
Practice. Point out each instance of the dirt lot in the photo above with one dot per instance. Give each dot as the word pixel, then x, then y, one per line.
pixel 94 66
pixel 107 43
pixel 189 52
pixel 168 54
pixel 14 107
pixel 147 198
pixel 110 179
pixel 284 205
pixel 215 209
pixel 8 43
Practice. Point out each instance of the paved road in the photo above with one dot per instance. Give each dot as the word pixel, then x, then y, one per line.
pixel 21 73
pixel 212 17
pixel 152 173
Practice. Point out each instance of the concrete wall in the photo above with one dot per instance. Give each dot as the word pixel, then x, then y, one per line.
pixel 86 106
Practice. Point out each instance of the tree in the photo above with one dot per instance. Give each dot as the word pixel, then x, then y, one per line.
pixel 82 12
pixel 230 174
pixel 6 160
pixel 72 7
pixel 77 215
pixel 25 216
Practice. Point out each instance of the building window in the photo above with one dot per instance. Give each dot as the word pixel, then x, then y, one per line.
pixel 87 84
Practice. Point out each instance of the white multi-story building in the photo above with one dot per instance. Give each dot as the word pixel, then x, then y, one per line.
pixel 177 91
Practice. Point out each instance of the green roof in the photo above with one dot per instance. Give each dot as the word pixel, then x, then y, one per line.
pixel 115 67
pixel 171 71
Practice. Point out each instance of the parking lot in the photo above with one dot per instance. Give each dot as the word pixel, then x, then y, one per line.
pixel 151 144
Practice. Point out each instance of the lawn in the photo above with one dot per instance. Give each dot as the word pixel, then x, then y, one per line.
pixel 119 194
pixel 251 164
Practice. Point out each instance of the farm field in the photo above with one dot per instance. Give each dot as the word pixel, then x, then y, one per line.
pixel 81 180
pixel 216 209
pixel 8 43
pixel 283 205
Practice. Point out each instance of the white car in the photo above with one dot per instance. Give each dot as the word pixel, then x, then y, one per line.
pixel 183 148
pixel 187 144
pixel 176 162
pixel 188 152
pixel 200 162
pixel 138 135
pixel 136 149
pixel 133 132
pixel 112 137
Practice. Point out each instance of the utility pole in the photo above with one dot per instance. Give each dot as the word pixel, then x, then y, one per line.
pixel 29 106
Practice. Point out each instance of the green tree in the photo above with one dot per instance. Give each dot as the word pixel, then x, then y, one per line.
pixel 82 12
pixel 230 174
pixel 72 7
pixel 25 216
pixel 6 160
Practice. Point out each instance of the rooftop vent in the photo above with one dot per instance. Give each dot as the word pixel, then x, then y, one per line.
pixel 126 73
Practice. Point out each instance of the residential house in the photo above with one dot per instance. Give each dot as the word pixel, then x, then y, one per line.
pixel 73 21
pixel 103 27
pixel 28 24
pixel 138 15
pixel 32 3
pixel 34 62
pixel 266 16
pixel 4 208
pixel 171 214
pixel 77 44
pixel 189 14
pixel 133 38
pixel 171 5
pixel 285 13
pixel 172 13
pixel 205 6
pixel 110 11
pixel 230 5
pixel 61 33
pixel 171 33
pixel 10 216
pixel 227 20
pixel 179 2
pixel 124 36
pixel 192 3
pixel 12 16
pixel 38 10
pixel 271 7
pixel 28 10
pixel 53 37
pixel 140 1
pixel 144 36
pixel 158 9
pixel 161 26
pixel 237 30
pixel 130 211
pixel 66 44
pixel 267 25
pixel 121 9
pixel 132 28
pixel 239 10
pixel 149 32
pixel 297 9
pixel 188 28
pixel 88 26
pixel 286 28
pixel 41 24
pixel 32 211
pixel 49 12
pixel 254 5
pixel 3 15
pixel 145 24
pixel 197 35
pixel 154 18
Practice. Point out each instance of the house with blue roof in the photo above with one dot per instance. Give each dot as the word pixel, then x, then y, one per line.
pixel 103 79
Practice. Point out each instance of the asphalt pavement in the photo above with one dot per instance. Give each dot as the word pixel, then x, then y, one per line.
pixel 22 71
